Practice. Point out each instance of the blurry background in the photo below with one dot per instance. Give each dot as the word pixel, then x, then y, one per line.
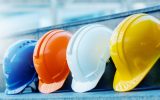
pixel 21 15
pixel 17 16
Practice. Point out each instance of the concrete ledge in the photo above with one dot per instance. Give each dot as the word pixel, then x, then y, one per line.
pixel 103 95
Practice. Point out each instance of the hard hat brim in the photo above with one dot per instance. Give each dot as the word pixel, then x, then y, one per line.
pixel 18 90
pixel 49 88
pixel 80 87
pixel 122 85
pixel 15 91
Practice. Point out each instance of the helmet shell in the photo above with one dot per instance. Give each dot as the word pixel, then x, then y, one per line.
pixel 87 54
pixel 134 48
pixel 18 66
pixel 50 60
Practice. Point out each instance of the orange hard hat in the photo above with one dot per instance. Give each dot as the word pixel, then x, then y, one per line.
pixel 50 60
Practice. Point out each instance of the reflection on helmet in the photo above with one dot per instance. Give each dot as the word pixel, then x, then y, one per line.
pixel 87 54
pixel 18 66
pixel 134 48
pixel 50 60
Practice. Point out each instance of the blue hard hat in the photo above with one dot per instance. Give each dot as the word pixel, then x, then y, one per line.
pixel 18 66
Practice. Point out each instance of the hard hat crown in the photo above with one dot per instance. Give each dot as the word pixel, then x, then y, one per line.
pixel 50 60
pixel 19 72
pixel 87 53
pixel 135 50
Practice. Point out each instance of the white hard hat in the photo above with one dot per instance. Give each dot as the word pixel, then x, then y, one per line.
pixel 87 54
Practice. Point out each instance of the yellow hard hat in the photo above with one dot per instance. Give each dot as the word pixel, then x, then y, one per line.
pixel 134 48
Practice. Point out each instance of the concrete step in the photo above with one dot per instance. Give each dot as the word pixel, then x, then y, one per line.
pixel 103 95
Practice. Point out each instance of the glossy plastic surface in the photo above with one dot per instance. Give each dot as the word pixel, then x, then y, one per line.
pixel 87 54
pixel 134 48
pixel 18 66
pixel 50 60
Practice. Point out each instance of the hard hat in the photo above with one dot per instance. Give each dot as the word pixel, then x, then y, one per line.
pixel 87 54
pixel 50 60
pixel 134 48
pixel 18 66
